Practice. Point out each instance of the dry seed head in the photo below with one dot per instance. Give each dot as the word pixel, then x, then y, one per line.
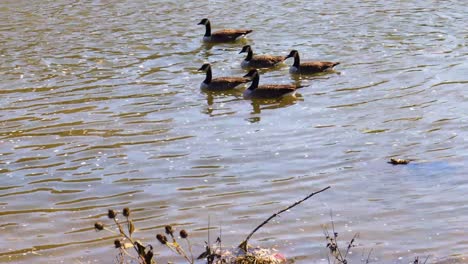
pixel 117 243
pixel 161 238
pixel 183 233
pixel 98 226
pixel 169 230
pixel 111 214
pixel 126 212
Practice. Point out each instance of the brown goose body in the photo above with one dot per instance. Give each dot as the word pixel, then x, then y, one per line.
pixel 309 67
pixel 267 91
pixel 259 61
pixel 224 35
pixel 220 83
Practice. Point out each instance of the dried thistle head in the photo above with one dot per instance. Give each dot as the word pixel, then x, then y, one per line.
pixel 183 234
pixel 126 212
pixel 332 246
pixel 111 214
pixel 117 243
pixel 98 226
pixel 169 230
pixel 161 238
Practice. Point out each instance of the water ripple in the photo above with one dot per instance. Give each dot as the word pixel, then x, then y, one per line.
pixel 100 108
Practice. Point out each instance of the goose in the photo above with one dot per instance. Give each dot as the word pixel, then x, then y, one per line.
pixel 308 67
pixel 259 61
pixel 224 35
pixel 220 83
pixel 267 91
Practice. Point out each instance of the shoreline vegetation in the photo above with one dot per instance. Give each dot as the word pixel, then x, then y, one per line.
pixel 131 250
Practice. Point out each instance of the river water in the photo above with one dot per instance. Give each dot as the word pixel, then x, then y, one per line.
pixel 100 108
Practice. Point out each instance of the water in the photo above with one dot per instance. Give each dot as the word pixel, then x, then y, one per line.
pixel 100 108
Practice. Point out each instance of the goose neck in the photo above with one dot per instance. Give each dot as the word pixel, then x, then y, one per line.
pixel 297 60
pixel 208 29
pixel 208 76
pixel 249 55
pixel 255 81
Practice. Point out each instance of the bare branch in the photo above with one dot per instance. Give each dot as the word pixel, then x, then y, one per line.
pixel 243 245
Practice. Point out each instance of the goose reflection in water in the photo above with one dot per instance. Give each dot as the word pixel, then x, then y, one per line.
pixel 259 105
pixel 219 98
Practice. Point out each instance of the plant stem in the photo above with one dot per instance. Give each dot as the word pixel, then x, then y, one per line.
pixel 243 245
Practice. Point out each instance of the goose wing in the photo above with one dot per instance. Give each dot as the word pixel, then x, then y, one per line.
pixel 263 61
pixel 226 83
pixel 273 90
pixel 317 66
pixel 229 34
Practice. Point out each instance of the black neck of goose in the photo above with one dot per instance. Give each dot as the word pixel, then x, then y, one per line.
pixel 255 81
pixel 297 60
pixel 249 55
pixel 208 29
pixel 208 76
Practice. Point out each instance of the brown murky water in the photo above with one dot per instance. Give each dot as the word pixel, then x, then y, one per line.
pixel 100 108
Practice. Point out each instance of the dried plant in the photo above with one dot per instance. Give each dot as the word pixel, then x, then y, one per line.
pixel 126 228
pixel 417 261
pixel 142 254
pixel 338 256
pixel 244 244
pixel 215 254
pixel 174 246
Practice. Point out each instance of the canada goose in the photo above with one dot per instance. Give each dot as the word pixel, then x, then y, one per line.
pixel 220 83
pixel 259 61
pixel 267 91
pixel 308 67
pixel 224 35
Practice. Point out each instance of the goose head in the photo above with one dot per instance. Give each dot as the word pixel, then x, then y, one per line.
pixel 205 67
pixel 204 21
pixel 246 48
pixel 292 54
